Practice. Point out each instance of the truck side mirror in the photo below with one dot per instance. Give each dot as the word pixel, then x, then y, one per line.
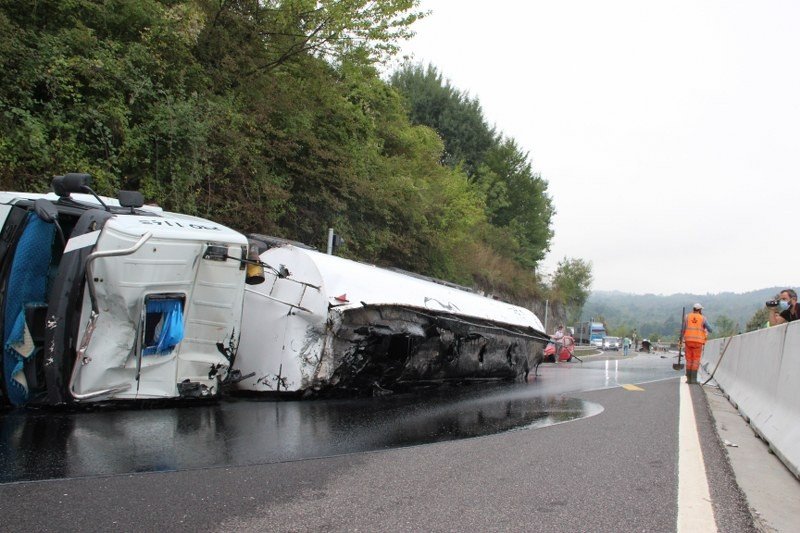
pixel 132 199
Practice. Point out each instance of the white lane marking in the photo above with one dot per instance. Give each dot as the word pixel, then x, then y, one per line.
pixel 694 501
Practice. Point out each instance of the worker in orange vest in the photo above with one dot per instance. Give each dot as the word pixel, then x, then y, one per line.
pixel 694 331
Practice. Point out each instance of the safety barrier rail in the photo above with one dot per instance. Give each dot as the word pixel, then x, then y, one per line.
pixel 759 372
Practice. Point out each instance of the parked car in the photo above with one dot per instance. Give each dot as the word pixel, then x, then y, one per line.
pixel 612 343
pixel 565 347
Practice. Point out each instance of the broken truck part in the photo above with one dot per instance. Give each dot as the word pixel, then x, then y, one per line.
pixel 108 299
pixel 320 323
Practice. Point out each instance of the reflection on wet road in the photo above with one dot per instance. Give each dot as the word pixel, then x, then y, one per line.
pixel 44 445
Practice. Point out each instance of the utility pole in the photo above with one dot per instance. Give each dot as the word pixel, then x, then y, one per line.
pixel 334 241
pixel 546 304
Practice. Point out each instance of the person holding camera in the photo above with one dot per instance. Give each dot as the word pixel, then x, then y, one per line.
pixel 784 309
pixel 694 331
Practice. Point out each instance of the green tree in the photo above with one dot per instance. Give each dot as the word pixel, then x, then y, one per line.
pixel 270 33
pixel 758 320
pixel 516 201
pixel 622 330
pixel 724 327
pixel 527 210
pixel 572 282
pixel 456 117
pixel 268 117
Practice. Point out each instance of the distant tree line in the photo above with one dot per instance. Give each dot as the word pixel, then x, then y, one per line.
pixel 659 317
pixel 271 117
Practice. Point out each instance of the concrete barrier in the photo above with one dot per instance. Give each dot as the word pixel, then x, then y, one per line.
pixel 760 373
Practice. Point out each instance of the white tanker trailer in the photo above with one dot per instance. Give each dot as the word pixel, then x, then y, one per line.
pixel 324 323
pixel 104 299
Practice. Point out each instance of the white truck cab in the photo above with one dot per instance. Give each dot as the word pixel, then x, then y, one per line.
pixel 105 299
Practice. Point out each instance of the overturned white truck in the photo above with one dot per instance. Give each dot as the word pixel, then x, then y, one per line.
pixel 105 299
pixel 321 323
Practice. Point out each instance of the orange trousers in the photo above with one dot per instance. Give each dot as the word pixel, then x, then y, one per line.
pixel 694 350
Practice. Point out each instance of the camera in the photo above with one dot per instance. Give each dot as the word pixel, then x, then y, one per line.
pixel 773 303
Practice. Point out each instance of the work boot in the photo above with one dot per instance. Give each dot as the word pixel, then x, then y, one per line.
pixel 693 377
pixel 688 376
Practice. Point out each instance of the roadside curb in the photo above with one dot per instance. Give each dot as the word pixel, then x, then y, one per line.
pixel 771 490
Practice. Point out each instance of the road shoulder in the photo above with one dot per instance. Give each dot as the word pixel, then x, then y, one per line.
pixel 771 491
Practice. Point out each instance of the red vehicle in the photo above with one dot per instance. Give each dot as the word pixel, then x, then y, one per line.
pixel 566 349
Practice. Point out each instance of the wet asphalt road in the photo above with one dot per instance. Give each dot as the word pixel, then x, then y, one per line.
pixel 41 444
pixel 615 471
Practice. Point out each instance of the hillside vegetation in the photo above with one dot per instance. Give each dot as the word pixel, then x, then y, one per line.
pixel 271 117
pixel 660 316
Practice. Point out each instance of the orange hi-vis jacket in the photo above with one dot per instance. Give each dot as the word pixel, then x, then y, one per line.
pixel 695 332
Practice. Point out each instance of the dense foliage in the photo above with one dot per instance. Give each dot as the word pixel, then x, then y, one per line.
pixel 516 201
pixel 269 117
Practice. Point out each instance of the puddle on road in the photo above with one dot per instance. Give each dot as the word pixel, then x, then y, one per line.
pixel 37 445
pixel 42 445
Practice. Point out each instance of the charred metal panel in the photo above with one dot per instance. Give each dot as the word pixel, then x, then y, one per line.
pixel 322 323
pixel 376 348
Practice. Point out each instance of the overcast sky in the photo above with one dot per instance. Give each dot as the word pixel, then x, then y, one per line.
pixel 669 132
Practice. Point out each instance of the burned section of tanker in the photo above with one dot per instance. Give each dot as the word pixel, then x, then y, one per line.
pixel 387 347
pixel 107 299
pixel 321 323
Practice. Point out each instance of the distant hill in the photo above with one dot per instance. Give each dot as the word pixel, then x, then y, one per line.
pixel 655 314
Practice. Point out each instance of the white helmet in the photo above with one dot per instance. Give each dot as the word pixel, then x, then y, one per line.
pixel 697 306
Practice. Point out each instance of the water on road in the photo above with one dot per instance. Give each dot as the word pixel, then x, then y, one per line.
pixel 42 444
